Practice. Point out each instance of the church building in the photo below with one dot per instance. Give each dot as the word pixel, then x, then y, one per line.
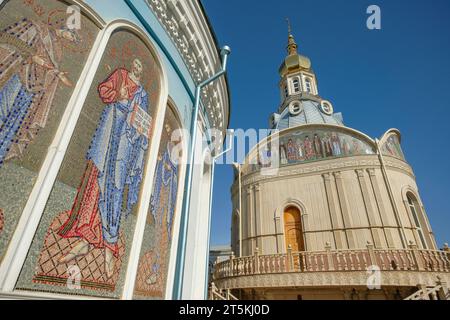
pixel 341 217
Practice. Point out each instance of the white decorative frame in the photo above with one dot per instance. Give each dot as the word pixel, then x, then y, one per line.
pixel 323 109
pixel 279 222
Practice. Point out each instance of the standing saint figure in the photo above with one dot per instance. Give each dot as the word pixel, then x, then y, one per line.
pixel 327 146
pixel 30 54
pixel 336 145
pixel 318 146
pixel 162 206
pixel 283 152
pixel 115 165
pixel 309 150
pixel 292 151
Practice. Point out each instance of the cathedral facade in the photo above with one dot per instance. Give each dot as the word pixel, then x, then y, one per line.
pixel 96 98
pixel 340 218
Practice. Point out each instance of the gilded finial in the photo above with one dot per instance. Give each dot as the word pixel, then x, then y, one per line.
pixel 292 46
pixel 289 26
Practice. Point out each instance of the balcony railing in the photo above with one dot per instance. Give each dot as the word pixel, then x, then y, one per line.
pixel 412 259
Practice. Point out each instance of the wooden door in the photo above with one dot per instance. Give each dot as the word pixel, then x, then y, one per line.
pixel 293 231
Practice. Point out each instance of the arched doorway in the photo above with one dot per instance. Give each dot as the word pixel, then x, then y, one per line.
pixel 293 230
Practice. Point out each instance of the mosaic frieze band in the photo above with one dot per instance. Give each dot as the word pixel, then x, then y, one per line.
pixel 307 145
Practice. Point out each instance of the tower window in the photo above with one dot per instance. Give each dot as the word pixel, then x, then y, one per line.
pixel 414 207
pixel 286 91
pixel 308 85
pixel 296 84
pixel 295 108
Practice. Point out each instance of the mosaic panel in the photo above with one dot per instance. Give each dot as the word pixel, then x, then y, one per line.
pixel 38 74
pixel 392 147
pixel 89 220
pixel 152 273
pixel 303 146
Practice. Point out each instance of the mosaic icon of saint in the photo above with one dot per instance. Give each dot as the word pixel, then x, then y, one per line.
pixel 115 165
pixel 336 145
pixel 309 149
pixel 318 146
pixel 30 54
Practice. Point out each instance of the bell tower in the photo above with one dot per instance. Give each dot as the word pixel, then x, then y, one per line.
pixel 300 102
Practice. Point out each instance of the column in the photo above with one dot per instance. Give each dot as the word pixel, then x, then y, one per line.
pixel 258 219
pixel 381 208
pixel 340 241
pixel 369 208
pixel 343 201
pixel 250 221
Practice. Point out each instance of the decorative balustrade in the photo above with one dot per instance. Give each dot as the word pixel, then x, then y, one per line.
pixel 412 259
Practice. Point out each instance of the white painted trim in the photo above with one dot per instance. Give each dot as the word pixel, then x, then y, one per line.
pixel 178 211
pixel 35 295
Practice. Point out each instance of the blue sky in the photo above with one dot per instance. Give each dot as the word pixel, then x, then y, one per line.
pixel 396 77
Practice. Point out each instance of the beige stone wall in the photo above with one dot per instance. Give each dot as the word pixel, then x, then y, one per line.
pixel 344 201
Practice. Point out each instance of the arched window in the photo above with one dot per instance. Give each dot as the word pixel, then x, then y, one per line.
pixel 308 85
pixel 296 84
pixel 416 213
pixel 286 91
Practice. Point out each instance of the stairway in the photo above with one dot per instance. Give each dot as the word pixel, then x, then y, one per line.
pixel 216 294
pixel 438 292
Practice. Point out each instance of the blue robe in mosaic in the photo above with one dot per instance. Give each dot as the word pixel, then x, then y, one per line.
pixel 27 88
pixel 166 177
pixel 118 152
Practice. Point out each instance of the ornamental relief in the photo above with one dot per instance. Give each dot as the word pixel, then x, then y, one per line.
pixel 172 17
pixel 314 169
pixel 318 169
pixel 339 279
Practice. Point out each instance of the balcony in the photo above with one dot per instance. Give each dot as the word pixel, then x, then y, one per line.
pixel 335 268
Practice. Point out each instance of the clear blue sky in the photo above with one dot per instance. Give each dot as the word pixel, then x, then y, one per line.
pixel 398 77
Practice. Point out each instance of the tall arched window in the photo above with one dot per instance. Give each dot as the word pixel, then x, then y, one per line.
pixel 308 85
pixel 296 84
pixel 416 213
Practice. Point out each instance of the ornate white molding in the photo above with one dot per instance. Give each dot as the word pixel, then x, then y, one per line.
pixel 189 30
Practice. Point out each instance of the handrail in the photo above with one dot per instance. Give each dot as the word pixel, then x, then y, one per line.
pixel 412 259
pixel 426 293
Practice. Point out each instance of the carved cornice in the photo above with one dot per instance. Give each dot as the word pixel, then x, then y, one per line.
pixel 331 279
pixel 394 163
pixel 189 30
pixel 370 163
pixel 320 167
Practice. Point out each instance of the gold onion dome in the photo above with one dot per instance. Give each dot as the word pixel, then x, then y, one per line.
pixel 294 61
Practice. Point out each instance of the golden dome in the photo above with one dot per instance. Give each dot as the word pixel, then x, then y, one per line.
pixel 294 61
